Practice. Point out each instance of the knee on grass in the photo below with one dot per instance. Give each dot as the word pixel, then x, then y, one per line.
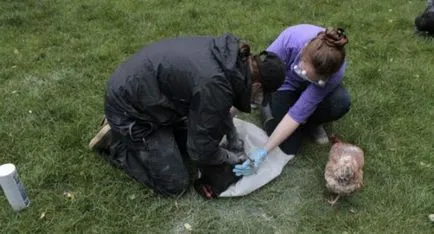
pixel 175 187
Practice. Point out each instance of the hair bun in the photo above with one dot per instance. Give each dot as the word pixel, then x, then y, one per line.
pixel 334 37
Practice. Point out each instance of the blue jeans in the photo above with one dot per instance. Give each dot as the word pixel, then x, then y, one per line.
pixel 333 107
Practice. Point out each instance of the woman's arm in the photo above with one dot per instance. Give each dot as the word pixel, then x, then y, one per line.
pixel 302 109
pixel 285 128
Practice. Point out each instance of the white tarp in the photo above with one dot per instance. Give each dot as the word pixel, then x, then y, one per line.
pixel 253 137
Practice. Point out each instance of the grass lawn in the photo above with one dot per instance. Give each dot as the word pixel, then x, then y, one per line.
pixel 56 56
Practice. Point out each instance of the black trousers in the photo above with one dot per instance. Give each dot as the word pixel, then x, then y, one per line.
pixel 333 107
pixel 158 160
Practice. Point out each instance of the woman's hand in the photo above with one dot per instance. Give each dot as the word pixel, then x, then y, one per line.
pixel 249 167
pixel 285 128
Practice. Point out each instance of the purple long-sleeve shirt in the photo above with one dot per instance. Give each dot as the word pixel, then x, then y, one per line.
pixel 288 47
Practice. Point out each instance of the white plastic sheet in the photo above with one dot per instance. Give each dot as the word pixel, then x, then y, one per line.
pixel 272 167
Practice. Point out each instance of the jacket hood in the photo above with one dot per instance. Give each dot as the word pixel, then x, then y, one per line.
pixel 226 52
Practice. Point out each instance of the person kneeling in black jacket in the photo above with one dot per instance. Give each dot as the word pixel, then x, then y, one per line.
pixel 172 100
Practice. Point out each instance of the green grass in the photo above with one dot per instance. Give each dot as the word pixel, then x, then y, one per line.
pixel 56 56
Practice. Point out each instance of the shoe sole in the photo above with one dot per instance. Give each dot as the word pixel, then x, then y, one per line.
pixel 100 137
pixel 322 141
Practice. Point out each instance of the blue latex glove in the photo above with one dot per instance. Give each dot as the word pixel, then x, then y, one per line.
pixel 250 166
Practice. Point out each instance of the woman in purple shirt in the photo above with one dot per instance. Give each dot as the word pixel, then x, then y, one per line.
pixel 311 95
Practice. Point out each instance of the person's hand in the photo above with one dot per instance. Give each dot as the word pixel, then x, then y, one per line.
pixel 233 141
pixel 233 157
pixel 235 145
pixel 249 167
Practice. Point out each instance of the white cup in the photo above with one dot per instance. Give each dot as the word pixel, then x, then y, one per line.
pixel 12 187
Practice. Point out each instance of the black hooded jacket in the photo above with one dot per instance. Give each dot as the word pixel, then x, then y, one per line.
pixel 197 77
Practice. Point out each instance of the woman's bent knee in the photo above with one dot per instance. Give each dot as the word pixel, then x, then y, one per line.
pixel 342 102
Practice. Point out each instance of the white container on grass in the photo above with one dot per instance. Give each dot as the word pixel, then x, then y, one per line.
pixel 12 187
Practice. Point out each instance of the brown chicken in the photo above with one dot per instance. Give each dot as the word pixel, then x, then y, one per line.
pixel 344 170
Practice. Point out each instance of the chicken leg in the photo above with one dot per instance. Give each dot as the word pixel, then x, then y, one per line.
pixel 332 202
